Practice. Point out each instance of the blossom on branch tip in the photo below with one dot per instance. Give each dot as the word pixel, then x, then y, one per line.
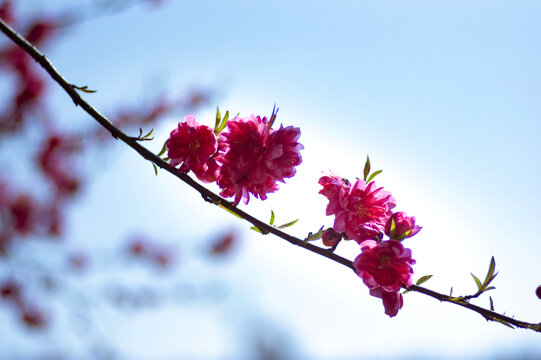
pixel 400 226
pixel 192 145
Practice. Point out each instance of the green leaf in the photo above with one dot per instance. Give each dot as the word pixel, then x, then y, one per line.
pixel 84 89
pixel 273 115
pixel 393 226
pixel 490 275
pixel 315 236
pixel 366 170
pixel 140 137
pixel 291 223
pixel 451 292
pixel 271 222
pixel 489 280
pixel 491 303
pixel 229 211
pixel 223 124
pixel 218 119
pixel 504 323
pixel 477 281
pixel 256 229
pixel 489 288
pixel 491 267
pixel 155 169
pixel 148 135
pixel 423 279
pixel 164 148
pixel 376 173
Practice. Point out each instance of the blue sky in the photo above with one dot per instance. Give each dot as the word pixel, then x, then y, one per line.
pixel 443 96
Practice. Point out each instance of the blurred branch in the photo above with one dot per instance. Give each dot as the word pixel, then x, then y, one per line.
pixel 209 196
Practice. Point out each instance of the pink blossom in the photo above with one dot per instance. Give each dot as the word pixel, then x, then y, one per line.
pixel 384 268
pixel 361 210
pixel 254 157
pixel 400 226
pixel 335 189
pixel 386 264
pixel 392 300
pixel 192 145
pixel 282 152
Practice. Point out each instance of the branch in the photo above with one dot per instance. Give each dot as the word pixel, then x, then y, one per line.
pixel 215 199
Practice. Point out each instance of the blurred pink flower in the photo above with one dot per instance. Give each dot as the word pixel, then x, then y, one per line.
pixel 400 226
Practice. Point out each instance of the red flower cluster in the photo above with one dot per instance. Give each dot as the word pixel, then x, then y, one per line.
pixel 384 268
pixel 361 210
pixel 363 213
pixel 249 158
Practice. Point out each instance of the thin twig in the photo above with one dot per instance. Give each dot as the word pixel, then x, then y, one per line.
pixel 209 196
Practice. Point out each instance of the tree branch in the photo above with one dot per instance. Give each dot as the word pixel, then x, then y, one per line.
pixel 209 196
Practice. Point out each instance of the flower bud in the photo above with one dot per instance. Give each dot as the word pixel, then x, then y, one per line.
pixel 400 226
pixel 330 237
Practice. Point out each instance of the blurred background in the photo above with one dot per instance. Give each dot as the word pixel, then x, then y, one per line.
pixel 102 259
